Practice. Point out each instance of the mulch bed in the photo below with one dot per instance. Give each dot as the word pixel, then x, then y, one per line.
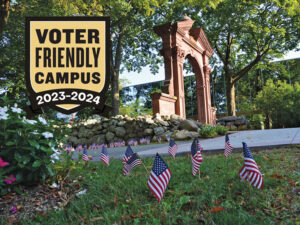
pixel 37 200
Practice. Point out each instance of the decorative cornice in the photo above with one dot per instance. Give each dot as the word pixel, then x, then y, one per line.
pixel 192 44
pixel 199 35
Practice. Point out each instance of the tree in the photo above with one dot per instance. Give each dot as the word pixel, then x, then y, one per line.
pixel 243 33
pixel 4 13
pixel 280 102
pixel 133 42
pixel 12 49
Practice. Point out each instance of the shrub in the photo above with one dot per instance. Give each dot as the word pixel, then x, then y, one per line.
pixel 221 130
pixel 280 102
pixel 208 131
pixel 27 145
pixel 256 121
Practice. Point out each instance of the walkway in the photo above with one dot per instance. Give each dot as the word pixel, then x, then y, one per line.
pixel 256 139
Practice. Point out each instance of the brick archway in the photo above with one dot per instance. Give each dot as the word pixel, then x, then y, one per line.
pixel 181 41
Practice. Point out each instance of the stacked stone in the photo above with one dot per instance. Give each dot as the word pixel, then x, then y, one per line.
pixel 125 128
pixel 233 121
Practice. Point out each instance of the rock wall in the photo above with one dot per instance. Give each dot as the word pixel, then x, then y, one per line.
pixel 233 121
pixel 125 128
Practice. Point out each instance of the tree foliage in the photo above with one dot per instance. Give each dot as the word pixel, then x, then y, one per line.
pixel 280 102
pixel 133 42
pixel 12 47
pixel 243 33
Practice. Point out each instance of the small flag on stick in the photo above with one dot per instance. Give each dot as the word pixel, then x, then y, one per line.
pixel 104 156
pixel 159 177
pixel 250 171
pixel 196 156
pixel 128 154
pixel 228 147
pixel 172 148
pixel 131 163
pixel 85 156
pixel 158 139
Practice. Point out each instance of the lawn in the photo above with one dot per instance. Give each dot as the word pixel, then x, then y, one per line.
pixel 219 197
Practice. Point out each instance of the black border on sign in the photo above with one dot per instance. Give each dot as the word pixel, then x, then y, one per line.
pixel 107 58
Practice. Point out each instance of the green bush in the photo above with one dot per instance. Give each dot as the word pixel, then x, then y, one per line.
pixel 221 130
pixel 208 131
pixel 280 102
pixel 256 121
pixel 27 145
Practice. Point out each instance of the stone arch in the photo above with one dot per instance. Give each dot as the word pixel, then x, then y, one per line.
pixel 181 41
pixel 200 86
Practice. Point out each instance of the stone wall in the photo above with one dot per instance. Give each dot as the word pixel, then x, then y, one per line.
pixel 125 128
pixel 233 121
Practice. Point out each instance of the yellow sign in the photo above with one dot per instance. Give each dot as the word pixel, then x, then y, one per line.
pixel 67 62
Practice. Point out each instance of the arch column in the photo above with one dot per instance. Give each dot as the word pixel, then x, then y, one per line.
pixel 201 97
pixel 178 59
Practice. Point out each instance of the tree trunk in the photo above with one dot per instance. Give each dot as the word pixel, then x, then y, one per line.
pixel 115 76
pixel 115 94
pixel 138 94
pixel 4 12
pixel 230 96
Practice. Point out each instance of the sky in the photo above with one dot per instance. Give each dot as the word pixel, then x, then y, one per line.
pixel 146 76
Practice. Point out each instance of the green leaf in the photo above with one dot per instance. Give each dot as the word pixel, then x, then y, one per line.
pixel 36 164
pixel 50 171
pixel 34 143
pixel 9 143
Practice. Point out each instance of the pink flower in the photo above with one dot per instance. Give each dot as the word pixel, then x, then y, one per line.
pixel 13 209
pixel 2 163
pixel 10 180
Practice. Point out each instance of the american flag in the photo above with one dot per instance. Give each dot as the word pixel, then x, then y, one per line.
pixel 196 156
pixel 158 139
pixel 69 148
pixel 250 171
pixel 104 156
pixel 159 177
pixel 228 147
pixel 111 144
pixel 131 163
pixel 168 138
pixel 148 140
pixel 142 140
pixel 116 143
pixel 99 146
pixel 199 145
pixel 79 148
pixel 123 143
pixel 128 154
pixel 172 148
pixel 85 155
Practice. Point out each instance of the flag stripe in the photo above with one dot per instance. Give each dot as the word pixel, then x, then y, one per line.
pixel 159 177
pixel 250 171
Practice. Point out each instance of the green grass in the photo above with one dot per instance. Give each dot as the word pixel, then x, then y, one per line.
pixel 113 198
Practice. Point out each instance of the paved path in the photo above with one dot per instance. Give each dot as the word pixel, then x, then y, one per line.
pixel 256 139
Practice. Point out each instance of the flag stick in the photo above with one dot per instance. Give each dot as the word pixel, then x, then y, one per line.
pixel 249 187
pixel 145 168
pixel 199 174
